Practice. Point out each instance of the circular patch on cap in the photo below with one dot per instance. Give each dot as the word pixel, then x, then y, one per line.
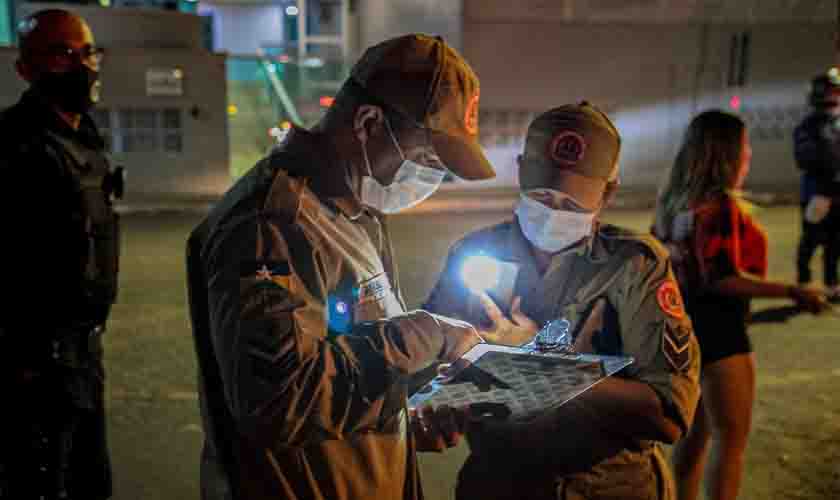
pixel 471 115
pixel 567 148
pixel 670 301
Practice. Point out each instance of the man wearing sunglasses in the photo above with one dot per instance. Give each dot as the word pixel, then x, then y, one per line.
pixel 60 253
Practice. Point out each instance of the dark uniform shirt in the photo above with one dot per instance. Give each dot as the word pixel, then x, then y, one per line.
pixel 54 304
pixel 618 293
pixel 303 342
pixel 816 145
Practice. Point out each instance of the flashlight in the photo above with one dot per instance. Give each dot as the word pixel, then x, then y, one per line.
pixel 481 273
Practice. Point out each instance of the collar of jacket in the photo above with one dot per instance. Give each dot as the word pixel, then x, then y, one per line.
pixel 322 169
pixel 39 113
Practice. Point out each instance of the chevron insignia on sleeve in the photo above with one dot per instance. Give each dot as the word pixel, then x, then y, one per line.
pixel 676 343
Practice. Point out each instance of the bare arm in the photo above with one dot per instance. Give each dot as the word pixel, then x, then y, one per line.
pixel 747 286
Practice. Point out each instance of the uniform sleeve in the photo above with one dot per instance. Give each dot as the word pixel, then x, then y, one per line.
pixel 657 332
pixel 814 145
pixel 807 148
pixel 286 380
pixel 217 453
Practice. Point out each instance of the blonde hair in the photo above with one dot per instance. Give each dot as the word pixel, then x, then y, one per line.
pixel 706 166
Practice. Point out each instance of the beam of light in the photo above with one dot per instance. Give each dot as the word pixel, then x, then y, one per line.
pixel 480 273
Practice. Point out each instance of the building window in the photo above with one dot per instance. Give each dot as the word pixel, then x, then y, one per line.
pixel 102 119
pixel 172 142
pixel 141 130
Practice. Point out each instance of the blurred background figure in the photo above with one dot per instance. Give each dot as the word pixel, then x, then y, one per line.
pixel 720 256
pixel 816 142
pixel 61 252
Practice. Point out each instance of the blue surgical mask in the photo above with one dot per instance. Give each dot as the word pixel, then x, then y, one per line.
pixel 412 184
pixel 550 229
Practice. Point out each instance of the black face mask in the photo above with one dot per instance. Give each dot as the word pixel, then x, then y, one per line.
pixel 74 91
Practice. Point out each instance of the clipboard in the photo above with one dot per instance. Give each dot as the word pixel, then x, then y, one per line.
pixel 517 383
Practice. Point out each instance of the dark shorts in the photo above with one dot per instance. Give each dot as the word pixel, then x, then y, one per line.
pixel 720 326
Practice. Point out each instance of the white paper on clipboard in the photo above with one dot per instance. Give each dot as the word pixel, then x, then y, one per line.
pixel 521 382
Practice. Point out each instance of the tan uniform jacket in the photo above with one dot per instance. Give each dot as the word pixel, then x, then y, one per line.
pixel 617 292
pixel 303 343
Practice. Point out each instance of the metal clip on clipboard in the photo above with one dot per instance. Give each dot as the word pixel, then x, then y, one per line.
pixel 554 338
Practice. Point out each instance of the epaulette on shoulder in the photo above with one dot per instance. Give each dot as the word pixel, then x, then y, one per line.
pixel 621 237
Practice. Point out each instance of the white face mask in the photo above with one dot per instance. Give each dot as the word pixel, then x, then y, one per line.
pixel 412 184
pixel 549 229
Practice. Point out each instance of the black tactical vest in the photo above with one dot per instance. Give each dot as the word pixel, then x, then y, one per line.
pixel 96 185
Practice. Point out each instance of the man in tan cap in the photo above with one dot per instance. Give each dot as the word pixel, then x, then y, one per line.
pixel 615 292
pixel 303 341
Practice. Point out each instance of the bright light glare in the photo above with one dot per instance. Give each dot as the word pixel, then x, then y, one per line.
pixel 480 273
pixel 292 10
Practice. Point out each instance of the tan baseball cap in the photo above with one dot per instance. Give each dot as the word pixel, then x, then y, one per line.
pixel 428 81
pixel 578 138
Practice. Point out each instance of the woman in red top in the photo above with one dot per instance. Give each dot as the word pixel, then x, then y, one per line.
pixel 720 256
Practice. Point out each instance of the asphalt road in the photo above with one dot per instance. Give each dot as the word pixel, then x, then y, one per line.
pixel 155 436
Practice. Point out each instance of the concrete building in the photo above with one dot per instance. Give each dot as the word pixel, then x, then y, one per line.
pixel 164 99
pixel 651 64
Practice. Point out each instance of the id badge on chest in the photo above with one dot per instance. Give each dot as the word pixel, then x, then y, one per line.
pixel 369 300
pixel 375 299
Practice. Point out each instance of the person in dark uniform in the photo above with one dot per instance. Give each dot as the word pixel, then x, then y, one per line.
pixel 816 143
pixel 616 293
pixel 60 253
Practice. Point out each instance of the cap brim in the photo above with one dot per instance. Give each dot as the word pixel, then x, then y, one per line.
pixel 462 157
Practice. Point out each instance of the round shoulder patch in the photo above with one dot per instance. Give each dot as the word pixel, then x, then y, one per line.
pixel 669 299
pixel 567 148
